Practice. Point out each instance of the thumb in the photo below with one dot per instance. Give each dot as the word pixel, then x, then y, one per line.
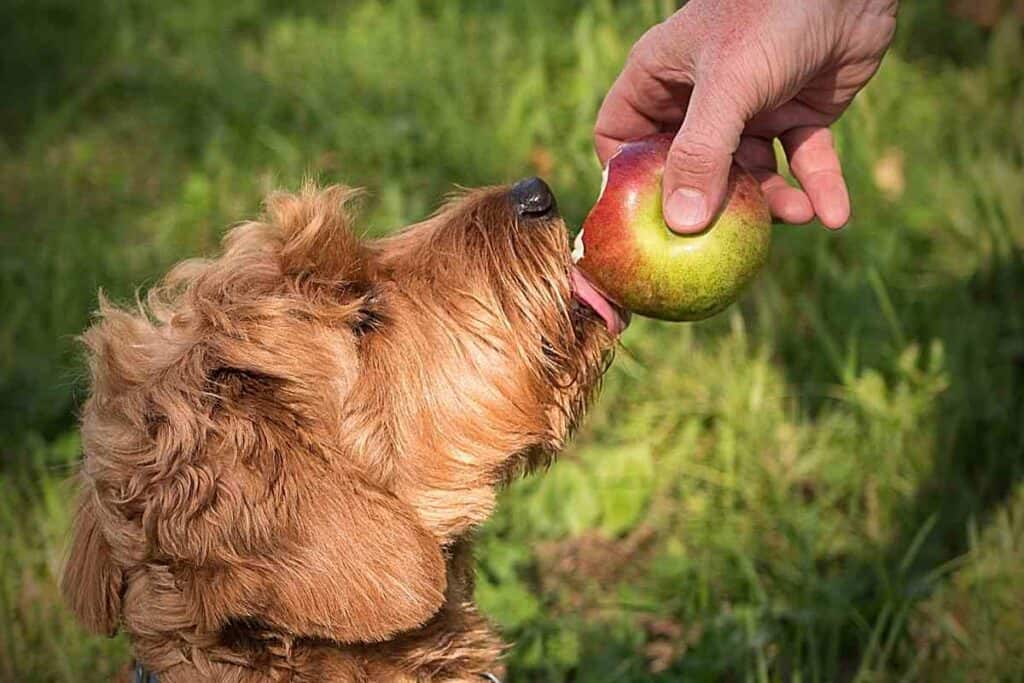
pixel 697 168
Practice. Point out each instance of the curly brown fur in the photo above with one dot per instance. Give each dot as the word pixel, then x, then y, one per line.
pixel 287 447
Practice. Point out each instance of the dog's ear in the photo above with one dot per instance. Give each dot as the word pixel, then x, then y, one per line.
pixel 319 242
pixel 91 583
pixel 358 567
pixel 290 541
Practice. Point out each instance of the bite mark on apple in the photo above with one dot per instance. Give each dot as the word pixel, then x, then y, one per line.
pixel 577 247
pixel 604 179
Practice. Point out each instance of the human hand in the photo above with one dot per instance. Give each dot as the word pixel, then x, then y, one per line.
pixel 736 74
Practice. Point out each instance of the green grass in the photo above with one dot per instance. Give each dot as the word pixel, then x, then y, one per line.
pixel 823 483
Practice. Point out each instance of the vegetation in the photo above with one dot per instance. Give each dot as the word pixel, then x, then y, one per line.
pixel 823 483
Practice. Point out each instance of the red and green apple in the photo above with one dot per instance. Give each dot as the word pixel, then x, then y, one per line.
pixel 627 252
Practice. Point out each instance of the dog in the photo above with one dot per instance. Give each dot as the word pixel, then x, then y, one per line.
pixel 287 448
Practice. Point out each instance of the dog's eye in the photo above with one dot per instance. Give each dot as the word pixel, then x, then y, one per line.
pixel 369 318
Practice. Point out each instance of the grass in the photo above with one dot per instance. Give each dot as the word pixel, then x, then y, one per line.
pixel 824 483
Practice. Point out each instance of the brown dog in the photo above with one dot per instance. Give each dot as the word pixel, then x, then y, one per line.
pixel 288 447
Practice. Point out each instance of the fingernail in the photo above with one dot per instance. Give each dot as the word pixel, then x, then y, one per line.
pixel 687 208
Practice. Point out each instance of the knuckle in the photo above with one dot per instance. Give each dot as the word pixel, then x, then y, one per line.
pixel 694 156
pixel 739 86
pixel 643 50
pixel 660 50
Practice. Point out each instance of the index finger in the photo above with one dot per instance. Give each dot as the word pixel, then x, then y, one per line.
pixel 646 98
pixel 620 118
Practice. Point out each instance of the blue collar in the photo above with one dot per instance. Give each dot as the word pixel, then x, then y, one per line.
pixel 143 676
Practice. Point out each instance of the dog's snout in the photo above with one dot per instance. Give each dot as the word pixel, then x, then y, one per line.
pixel 532 198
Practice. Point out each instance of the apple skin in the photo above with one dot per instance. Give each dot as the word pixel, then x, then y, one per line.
pixel 628 252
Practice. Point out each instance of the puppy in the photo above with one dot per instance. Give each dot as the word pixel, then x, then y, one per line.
pixel 287 448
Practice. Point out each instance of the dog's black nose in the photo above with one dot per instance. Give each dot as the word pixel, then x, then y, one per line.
pixel 532 198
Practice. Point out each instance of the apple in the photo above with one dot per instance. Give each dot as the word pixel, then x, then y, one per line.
pixel 627 252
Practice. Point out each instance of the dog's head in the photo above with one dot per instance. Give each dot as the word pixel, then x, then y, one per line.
pixel 342 406
pixel 484 347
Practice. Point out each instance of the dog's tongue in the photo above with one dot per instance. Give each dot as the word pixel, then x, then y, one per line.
pixel 584 291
